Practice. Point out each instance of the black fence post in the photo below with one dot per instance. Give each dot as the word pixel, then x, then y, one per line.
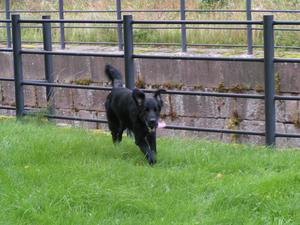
pixel 183 26
pixel 18 69
pixel 119 17
pixel 128 51
pixel 62 25
pixel 7 13
pixel 270 123
pixel 48 59
pixel 249 27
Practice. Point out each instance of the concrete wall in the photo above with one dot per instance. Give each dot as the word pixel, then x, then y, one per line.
pixel 210 112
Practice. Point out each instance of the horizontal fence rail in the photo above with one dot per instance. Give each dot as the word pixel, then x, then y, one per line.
pixel 44 83
pixel 191 57
pixel 128 55
pixel 209 94
pixel 156 10
pixel 198 22
pixel 71 21
pixel 70 53
pixel 7 107
pixel 164 27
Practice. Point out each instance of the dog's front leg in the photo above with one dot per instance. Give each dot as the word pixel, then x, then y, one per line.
pixel 151 139
pixel 144 146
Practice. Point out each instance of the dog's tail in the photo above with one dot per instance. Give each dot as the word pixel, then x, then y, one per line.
pixel 114 75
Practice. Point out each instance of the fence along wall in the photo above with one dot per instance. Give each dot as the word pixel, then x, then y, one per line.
pixel 196 111
pixel 268 62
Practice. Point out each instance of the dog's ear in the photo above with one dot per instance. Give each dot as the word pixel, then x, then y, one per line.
pixel 138 96
pixel 157 96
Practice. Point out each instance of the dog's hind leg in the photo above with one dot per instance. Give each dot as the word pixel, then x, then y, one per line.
pixel 113 125
pixel 114 132
pixel 120 132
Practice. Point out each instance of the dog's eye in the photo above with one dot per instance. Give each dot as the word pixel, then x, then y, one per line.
pixel 147 109
pixel 155 109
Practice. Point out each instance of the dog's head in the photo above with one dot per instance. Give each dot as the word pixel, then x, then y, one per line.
pixel 149 107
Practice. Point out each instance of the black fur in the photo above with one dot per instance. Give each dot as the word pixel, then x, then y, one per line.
pixel 132 110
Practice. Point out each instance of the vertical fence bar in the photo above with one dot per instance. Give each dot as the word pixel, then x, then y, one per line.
pixel 7 13
pixel 48 59
pixel 62 25
pixel 119 17
pixel 270 124
pixel 18 69
pixel 183 26
pixel 249 27
pixel 128 51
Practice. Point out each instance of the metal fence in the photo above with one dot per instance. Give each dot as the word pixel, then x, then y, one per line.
pixel 182 12
pixel 128 54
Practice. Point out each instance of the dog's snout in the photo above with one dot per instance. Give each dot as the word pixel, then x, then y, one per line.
pixel 153 120
pixel 152 123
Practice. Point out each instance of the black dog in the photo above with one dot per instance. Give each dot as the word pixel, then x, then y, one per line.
pixel 132 110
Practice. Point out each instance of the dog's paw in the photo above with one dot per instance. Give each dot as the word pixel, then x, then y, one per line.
pixel 152 162
pixel 151 158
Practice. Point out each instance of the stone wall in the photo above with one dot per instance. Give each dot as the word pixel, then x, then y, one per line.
pixel 199 111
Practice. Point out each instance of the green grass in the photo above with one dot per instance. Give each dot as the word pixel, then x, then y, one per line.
pixel 51 175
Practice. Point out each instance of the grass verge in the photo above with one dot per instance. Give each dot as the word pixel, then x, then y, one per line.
pixel 194 36
pixel 51 175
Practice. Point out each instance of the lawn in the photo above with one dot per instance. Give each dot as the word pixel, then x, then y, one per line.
pixel 54 175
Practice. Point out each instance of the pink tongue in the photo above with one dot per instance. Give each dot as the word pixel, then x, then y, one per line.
pixel 162 124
